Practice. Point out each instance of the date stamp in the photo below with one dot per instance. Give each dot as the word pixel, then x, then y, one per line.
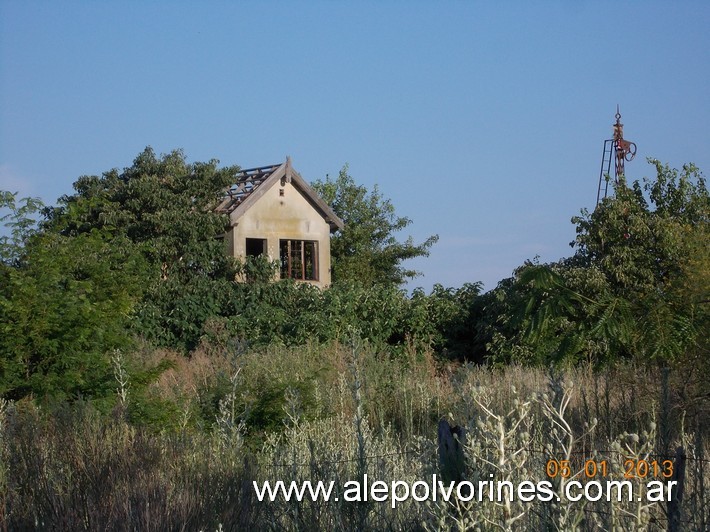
pixel 639 469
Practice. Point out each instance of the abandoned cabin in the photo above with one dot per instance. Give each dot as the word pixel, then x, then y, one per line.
pixel 275 213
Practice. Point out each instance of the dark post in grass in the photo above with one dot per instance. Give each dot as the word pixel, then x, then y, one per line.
pixel 452 462
pixel 675 502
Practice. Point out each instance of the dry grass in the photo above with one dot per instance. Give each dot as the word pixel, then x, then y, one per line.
pixel 335 413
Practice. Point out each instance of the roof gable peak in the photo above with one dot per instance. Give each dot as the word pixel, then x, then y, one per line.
pixel 252 183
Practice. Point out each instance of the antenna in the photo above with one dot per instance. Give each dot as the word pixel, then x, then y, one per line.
pixel 620 150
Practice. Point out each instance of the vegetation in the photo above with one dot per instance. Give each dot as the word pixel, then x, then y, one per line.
pixel 367 248
pixel 142 386
pixel 315 414
pixel 163 208
pixel 637 287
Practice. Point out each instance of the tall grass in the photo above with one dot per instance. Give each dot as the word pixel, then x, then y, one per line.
pixel 336 413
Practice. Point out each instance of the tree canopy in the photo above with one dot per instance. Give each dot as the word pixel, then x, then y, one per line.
pixel 640 237
pixel 637 286
pixel 135 256
pixel 65 302
pixel 367 249
pixel 164 208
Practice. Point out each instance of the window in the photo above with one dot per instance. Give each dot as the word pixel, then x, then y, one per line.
pixel 256 247
pixel 299 259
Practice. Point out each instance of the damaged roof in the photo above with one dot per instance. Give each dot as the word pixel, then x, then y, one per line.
pixel 251 184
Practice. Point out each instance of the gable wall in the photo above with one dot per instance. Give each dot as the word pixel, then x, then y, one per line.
pixel 274 217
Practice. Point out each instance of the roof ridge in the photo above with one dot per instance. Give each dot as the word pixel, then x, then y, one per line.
pixel 250 180
pixel 259 169
pixel 246 182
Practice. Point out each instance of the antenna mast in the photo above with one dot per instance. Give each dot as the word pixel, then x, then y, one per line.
pixel 620 150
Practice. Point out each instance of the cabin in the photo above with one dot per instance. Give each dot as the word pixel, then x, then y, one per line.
pixel 274 212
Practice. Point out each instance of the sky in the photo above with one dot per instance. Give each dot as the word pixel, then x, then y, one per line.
pixel 482 122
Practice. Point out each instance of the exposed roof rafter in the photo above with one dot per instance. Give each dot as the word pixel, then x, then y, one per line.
pixel 247 182
pixel 252 183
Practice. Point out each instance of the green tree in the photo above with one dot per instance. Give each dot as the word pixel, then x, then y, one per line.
pixel 20 221
pixel 636 287
pixel 62 310
pixel 165 207
pixel 130 252
pixel 367 248
pixel 445 319
pixel 639 237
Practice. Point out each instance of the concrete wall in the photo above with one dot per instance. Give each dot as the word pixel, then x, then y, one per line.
pixel 282 213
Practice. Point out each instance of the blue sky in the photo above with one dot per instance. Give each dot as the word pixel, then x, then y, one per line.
pixel 483 123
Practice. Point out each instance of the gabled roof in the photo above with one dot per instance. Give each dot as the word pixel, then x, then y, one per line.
pixel 251 184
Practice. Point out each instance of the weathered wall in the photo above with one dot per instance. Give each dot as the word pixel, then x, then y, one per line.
pixel 274 217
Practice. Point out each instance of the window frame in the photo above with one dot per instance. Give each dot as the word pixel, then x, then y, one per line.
pixel 299 259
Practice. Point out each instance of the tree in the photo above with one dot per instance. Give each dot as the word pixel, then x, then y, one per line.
pixel 21 224
pixel 164 206
pixel 65 303
pixel 639 237
pixel 367 248
pixel 636 287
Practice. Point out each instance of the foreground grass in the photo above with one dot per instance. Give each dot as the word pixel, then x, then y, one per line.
pixel 225 418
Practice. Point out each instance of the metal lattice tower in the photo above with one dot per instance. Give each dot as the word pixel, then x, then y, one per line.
pixel 618 149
